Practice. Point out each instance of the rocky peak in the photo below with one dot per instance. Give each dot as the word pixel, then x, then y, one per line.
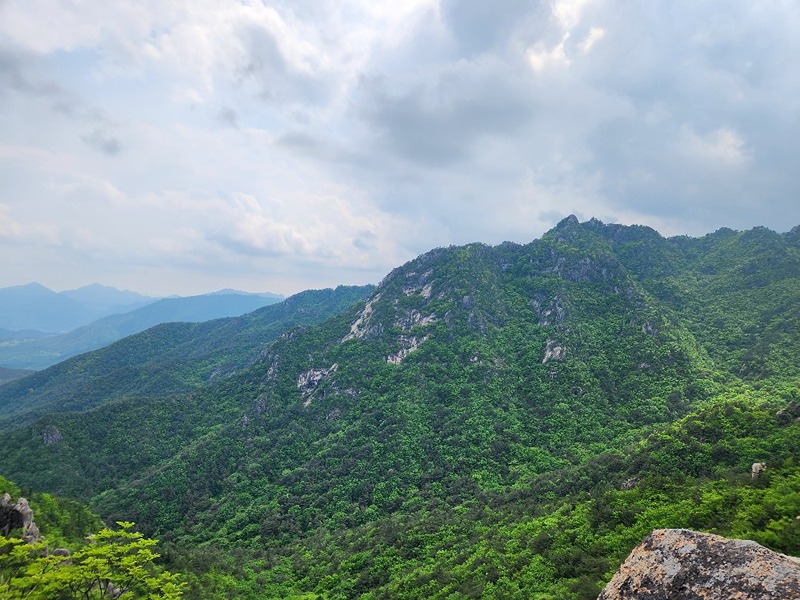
pixel 568 222
pixel 676 564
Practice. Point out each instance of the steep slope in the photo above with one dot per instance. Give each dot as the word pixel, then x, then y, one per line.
pixel 167 359
pixel 737 292
pixel 561 534
pixel 45 352
pixel 468 368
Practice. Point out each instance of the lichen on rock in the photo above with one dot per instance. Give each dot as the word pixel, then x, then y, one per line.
pixel 679 564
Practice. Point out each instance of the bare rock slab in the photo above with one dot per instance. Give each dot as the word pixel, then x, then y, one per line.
pixel 679 564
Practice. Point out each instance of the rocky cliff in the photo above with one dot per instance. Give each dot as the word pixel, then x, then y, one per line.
pixel 676 564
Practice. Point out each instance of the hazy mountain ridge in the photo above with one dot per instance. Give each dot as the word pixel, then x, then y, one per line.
pixel 44 352
pixel 107 299
pixel 34 306
pixel 419 444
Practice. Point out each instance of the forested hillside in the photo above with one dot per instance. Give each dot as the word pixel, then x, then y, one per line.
pixel 493 422
pixel 166 359
pixel 56 548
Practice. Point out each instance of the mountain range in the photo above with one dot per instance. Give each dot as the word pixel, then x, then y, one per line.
pixel 35 305
pixel 494 422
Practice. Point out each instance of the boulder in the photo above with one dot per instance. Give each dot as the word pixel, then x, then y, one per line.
pixel 679 564
pixel 757 469
pixel 17 516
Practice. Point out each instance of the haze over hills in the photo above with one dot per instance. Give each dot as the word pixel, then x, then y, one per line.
pixel 36 307
pixel 495 422
pixel 43 351
pixel 107 299
pixel 7 375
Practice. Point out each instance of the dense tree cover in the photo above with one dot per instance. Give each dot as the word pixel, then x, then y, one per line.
pixel 560 535
pixel 166 359
pixel 468 432
pixel 67 561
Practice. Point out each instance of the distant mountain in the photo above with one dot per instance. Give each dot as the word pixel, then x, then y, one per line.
pixel 33 306
pixel 42 353
pixel 106 299
pixel 227 291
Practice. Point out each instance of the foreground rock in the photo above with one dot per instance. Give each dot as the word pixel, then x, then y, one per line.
pixel 676 564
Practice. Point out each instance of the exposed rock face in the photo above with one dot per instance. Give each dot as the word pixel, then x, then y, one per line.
pixel 790 414
pixel 407 345
pixel 51 435
pixel 678 564
pixel 757 469
pixel 361 326
pixel 553 351
pixel 309 381
pixel 17 516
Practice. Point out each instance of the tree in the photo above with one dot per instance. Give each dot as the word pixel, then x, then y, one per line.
pixel 114 564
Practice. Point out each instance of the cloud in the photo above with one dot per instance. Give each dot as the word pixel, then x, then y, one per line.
pixel 322 140
pixel 9 229
pixel 15 76
pixel 480 27
pixel 228 117
pixel 443 119
pixel 722 147
pixel 103 142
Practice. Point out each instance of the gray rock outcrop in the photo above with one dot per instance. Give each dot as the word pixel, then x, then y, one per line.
pixel 679 564
pixel 17 515
pixel 757 469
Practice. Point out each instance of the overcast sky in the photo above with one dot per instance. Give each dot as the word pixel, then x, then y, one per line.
pixel 172 146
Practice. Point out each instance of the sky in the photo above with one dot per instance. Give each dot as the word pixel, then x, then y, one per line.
pixel 184 146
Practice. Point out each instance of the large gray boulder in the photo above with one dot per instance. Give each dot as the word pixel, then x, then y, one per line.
pixel 679 564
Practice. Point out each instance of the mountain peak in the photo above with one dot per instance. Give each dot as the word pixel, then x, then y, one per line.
pixel 567 222
pixel 34 287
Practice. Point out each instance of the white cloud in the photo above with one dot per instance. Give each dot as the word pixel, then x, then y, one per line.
pixel 568 13
pixel 595 35
pixel 9 228
pixel 722 147
pixel 311 141
pixel 542 58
